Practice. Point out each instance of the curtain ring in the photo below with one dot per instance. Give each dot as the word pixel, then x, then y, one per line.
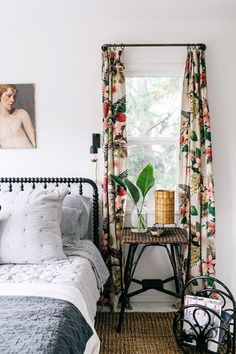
pixel 191 46
pixel 122 47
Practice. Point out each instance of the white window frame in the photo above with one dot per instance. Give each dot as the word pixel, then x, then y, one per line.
pixel 152 70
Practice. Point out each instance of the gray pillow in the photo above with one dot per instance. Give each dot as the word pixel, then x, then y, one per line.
pixel 83 229
pixel 69 219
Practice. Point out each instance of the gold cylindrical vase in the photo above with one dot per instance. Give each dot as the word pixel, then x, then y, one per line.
pixel 164 207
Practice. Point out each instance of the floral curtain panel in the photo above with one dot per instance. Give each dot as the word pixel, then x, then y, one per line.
pixel 115 162
pixel 196 188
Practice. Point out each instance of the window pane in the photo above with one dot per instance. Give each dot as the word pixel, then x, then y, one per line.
pixel 153 106
pixel 164 159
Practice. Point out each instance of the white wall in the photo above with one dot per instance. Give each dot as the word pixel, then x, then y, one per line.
pixel 56 45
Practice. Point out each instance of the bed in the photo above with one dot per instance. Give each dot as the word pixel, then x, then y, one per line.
pixel 51 271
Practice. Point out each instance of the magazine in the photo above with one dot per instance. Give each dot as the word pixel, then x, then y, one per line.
pixel 202 319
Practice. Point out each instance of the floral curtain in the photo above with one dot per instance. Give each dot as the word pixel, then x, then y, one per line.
pixel 115 162
pixel 196 188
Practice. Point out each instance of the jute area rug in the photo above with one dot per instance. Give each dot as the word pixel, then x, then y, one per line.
pixel 142 332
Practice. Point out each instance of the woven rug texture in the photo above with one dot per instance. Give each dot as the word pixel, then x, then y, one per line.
pixel 142 332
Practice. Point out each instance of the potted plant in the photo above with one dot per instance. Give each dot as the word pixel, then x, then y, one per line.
pixel 137 193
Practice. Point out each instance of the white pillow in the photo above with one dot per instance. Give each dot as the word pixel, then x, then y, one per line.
pixel 30 225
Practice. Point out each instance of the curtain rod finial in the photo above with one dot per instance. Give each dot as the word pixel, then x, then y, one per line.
pixel 202 46
pixel 104 47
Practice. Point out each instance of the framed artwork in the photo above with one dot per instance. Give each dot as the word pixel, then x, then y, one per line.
pixel 17 116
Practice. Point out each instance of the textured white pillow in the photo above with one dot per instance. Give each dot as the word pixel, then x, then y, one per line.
pixel 30 225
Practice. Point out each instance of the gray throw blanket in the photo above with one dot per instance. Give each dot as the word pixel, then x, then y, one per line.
pixel 86 249
pixel 41 325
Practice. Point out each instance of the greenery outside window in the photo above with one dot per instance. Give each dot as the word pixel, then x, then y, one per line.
pixel 153 111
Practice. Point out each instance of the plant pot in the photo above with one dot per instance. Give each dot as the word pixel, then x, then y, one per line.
pixel 139 220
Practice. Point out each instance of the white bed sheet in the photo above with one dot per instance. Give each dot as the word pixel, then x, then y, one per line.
pixel 72 279
pixel 74 271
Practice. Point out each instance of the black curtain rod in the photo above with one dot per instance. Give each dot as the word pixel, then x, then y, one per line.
pixel 199 45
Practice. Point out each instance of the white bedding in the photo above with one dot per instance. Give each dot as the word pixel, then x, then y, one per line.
pixel 75 271
pixel 72 280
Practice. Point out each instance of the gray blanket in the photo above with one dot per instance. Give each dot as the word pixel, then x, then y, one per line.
pixel 42 325
pixel 87 249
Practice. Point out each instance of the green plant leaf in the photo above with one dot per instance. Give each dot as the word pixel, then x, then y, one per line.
pixel 212 210
pixel 185 148
pixel 193 210
pixel 198 153
pixel 207 135
pixel 118 180
pixel 196 76
pixel 121 108
pixel 133 191
pixel 205 206
pixel 184 220
pixel 198 226
pixel 194 136
pixel 210 283
pixel 146 179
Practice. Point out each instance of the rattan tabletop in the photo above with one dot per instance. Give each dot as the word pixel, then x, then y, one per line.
pixel 170 235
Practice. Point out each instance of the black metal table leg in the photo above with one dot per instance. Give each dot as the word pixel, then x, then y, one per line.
pixel 179 275
pixel 171 239
pixel 127 281
pixel 178 285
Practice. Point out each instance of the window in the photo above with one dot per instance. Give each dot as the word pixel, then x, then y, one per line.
pixel 153 110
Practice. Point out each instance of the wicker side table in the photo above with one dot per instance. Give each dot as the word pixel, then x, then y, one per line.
pixel 171 239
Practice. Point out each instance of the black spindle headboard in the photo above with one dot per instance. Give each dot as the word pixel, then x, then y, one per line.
pixel 62 180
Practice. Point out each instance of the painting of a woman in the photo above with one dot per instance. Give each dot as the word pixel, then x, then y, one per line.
pixel 16 126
